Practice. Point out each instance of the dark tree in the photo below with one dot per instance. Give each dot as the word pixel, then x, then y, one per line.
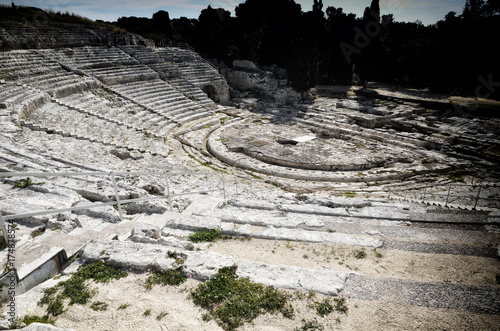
pixel 158 28
pixel 335 68
pixel 184 30
pixel 161 22
pixel 303 68
pixel 213 33
pixel 266 30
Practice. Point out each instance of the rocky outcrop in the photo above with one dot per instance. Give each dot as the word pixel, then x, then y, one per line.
pixel 246 77
pixel 39 35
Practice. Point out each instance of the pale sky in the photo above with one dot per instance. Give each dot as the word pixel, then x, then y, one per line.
pixel 428 11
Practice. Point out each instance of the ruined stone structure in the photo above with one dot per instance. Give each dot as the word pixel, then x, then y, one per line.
pixel 349 172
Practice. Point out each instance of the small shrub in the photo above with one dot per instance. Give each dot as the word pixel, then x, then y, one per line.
pixel 288 311
pixel 169 277
pixel 359 253
pixel 341 305
pixel 323 308
pixel 99 306
pixel 232 301
pixel 147 312
pixel 56 306
pixel 75 289
pixel 124 306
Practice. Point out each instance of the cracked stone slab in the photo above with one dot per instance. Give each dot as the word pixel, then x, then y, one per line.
pixel 252 204
pixel 127 254
pixel 261 219
pixel 196 223
pixel 204 265
pixel 318 236
pixel 327 282
pixel 314 210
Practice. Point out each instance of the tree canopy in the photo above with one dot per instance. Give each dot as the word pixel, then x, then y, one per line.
pixel 328 46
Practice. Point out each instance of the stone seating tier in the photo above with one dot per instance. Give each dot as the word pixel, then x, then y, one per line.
pixel 122 112
pixel 54 118
pixel 174 105
pixel 96 57
pixel 120 75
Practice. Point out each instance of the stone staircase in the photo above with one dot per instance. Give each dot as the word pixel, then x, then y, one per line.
pixel 347 224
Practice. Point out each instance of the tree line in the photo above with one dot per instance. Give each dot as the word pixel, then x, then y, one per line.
pixel 328 46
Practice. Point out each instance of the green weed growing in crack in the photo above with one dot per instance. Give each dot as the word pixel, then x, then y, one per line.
pixel 377 254
pixel 29 319
pixel 310 325
pixel 124 306
pixel 208 235
pixel 99 306
pixel 24 183
pixel 323 308
pixel 161 315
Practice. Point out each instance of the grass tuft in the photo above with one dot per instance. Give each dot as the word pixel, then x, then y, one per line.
pixel 208 235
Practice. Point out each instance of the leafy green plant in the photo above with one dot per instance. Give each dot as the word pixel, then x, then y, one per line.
pixel 341 304
pixel 124 306
pixel 75 289
pixel 168 277
pixel 99 306
pixel 208 235
pixel 24 183
pixel 55 307
pixel 176 256
pixel 232 301
pixel 147 312
pixel 323 308
pixel 359 253
pixel 311 325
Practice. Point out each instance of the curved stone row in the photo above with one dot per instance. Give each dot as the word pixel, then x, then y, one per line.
pixel 216 147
